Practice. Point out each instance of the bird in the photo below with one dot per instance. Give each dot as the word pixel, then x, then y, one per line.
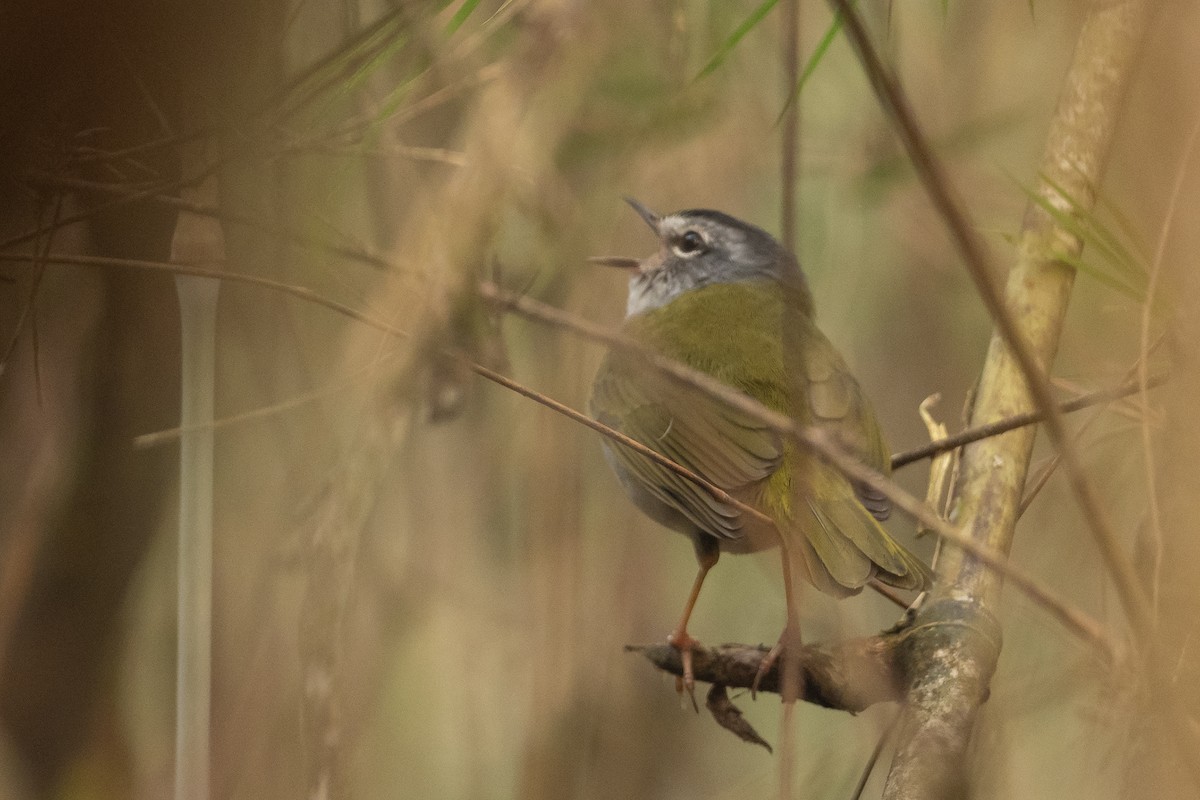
pixel 723 297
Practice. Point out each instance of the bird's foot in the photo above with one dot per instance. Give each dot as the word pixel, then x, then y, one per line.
pixel 685 644
pixel 788 640
pixel 910 614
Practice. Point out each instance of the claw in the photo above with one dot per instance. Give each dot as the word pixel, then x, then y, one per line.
pixel 685 644
pixel 765 666
pixel 789 638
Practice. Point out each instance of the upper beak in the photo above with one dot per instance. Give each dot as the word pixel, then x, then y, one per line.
pixel 651 218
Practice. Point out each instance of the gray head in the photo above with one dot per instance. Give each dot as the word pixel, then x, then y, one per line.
pixel 700 247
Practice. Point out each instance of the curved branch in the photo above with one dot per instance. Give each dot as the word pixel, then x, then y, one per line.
pixel 847 676
pixel 854 674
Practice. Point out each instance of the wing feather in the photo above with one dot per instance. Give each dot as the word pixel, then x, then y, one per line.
pixel 692 429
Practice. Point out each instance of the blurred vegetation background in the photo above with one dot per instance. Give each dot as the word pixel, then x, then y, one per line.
pixel 389 156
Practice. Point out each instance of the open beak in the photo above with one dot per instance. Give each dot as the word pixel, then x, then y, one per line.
pixel 621 262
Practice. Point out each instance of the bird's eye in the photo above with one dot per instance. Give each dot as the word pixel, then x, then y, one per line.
pixel 689 244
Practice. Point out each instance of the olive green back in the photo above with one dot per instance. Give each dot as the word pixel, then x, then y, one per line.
pixel 736 332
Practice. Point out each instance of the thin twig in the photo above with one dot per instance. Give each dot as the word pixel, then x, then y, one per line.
pixel 790 135
pixel 439 155
pixel 155 438
pixel 1021 420
pixel 1039 481
pixel 873 759
pixel 204 171
pixel 29 309
pixel 1143 372
pixel 309 82
pixel 87 155
pixel 789 184
pixel 124 191
pixel 1073 618
pixel 533 309
pixel 301 292
pixel 615 435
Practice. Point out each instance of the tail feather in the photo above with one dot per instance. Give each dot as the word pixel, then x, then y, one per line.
pixel 847 547
pixel 845 563
pixel 808 565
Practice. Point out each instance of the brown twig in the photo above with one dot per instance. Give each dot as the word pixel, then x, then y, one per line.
pixel 615 435
pixel 850 675
pixel 29 308
pixel 1035 485
pixel 155 193
pixel 166 267
pixel 790 135
pixel 1143 370
pixel 998 427
pixel 873 759
pixel 144 194
pixel 166 435
pixel 789 190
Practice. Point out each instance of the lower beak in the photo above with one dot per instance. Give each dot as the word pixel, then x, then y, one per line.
pixel 615 261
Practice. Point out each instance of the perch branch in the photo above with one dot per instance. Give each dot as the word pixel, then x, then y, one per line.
pixel 849 675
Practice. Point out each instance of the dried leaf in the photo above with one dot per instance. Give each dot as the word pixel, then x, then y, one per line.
pixel 729 716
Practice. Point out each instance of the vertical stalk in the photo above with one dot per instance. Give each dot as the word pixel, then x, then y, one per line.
pixel 951 667
pixel 788 179
pixel 198 241
pixel 198 323
pixel 789 184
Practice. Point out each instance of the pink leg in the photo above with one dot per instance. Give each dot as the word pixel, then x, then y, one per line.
pixel 707 556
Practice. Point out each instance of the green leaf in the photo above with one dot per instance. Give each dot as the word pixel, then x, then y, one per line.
pixel 1099 234
pixel 388 47
pixel 461 15
pixel 718 58
pixel 1113 265
pixel 328 76
pixel 1088 268
pixel 811 65
pixel 1141 253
